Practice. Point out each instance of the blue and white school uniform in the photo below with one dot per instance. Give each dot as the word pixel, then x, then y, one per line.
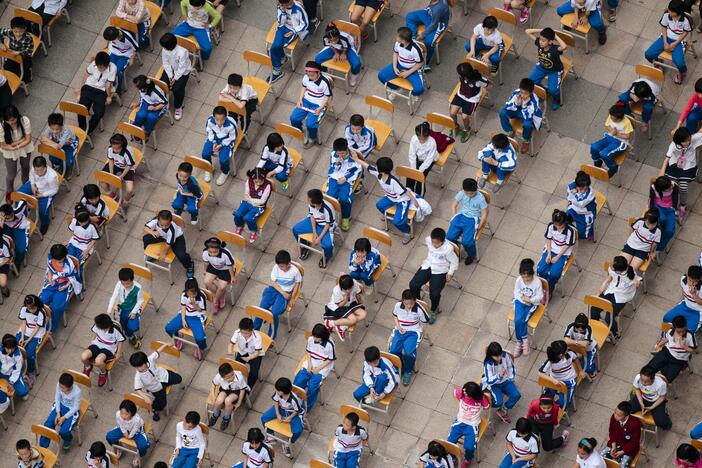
pixel 5 256
pixel 286 408
pixel 345 45
pixel 465 223
pixel 189 202
pixel 249 211
pixel 582 208
pixel 121 51
pixel 147 118
pixel 687 307
pixel 506 161
pixel 534 291
pixel 501 386
pixel 272 300
pixel 395 195
pixel 438 463
pixel 256 457
pixel 134 430
pixel 323 216
pixel 293 21
pixel 18 230
pixel 68 142
pixel 522 446
pixel 11 369
pixel 383 379
pixel 589 362
pixel 193 317
pixel 485 42
pixel 317 355
pixel 348 446
pixel 674 28
pixel 563 371
pixel 281 163
pixel 55 297
pixel 529 114
pixel 435 18
pixel 315 94
pixel 363 142
pixel 100 209
pixel 122 161
pixel 404 345
pixel 364 271
pixel 560 241
pixel 350 170
pixel 69 407
pixel 81 238
pixel 407 57
pixel 224 135
pixel 32 322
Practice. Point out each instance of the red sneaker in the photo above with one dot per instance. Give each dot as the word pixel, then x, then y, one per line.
pixel 222 301
pixel 239 230
pixel 87 370
pixel 102 379
pixel 178 344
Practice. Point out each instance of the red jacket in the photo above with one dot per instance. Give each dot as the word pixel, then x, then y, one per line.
pixel 535 414
pixel 626 437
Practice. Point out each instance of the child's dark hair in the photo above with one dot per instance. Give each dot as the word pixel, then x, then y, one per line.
pixel 492 350
pixel 681 135
pixel 54 119
pixel 582 179
pixel 58 252
pixel 526 267
pixel 321 332
pixel 102 59
pixel 340 144
pixel 438 234
pixel 32 300
pixel 197 3
pixel 110 33
pixel 362 244
pixel 466 70
pixel 234 79
pixel 523 426
pixel 470 185
pixel 316 196
pixel 256 173
pixel 9 341
pixel 423 129
pixel 7 210
pixel 345 282
pixel 625 407
pixel 165 215
pixel 103 322
pixel 404 33
pixel 66 380
pixel 39 161
pixel 472 390
pixel 225 369
pixel 557 349
pixel 121 140
pixel 331 31
pixel 490 22
pixel 144 84
pixel 698 85
pixel 246 324
pixel 353 418
pixel 282 257
pixel 687 453
pixel 284 385
pixel 11 112
pixel 694 272
pixel 500 141
pixel 385 165
pixel 679 321
pixel 371 353
pixel 617 111
pixel 255 435
pixel 587 444
pixel 18 22
pixel 274 140
pixel 437 450
pixel 620 264
pixel 527 84
pixel 219 110
pixel 168 41
pixel 160 464
pixel 642 90
pixel 357 120
pixel 560 217
pixel 661 184
pixel 192 417
pixel 128 406
pixel 185 167
pixel 546 399
pixel 191 285
pixel 23 444
pixel 138 358
pixel 408 295
pixel 677 6
pixel 548 33
pixel 81 213
pixel 97 450
pixel 648 371
pixel 581 321
pixel 215 243
pixel 651 216
pixel 91 191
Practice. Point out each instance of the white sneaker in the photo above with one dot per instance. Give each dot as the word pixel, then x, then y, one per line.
pixel 391 97
pixel 178 114
pixel 208 177
pixel 353 80
pixel 221 179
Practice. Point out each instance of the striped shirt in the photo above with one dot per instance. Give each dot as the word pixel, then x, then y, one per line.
pixel 318 354
pixel 560 240
pixel 323 215
pixel 393 188
pixel 412 319
pixel 107 339
pixel 346 442
pixel 408 56
pixel 562 370
pixel 315 91
pixel 523 445
pixel 82 235
pixel 642 238
pixel 256 457
pixel 687 296
pixel 650 393
pixel 221 262
pixel 197 309
pixel 677 350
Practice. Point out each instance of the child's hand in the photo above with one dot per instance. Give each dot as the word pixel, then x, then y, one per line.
pixel 317 111
pixel 77 95
pixel 485 59
pixel 316 241
pixel 288 34
pixel 184 323
pixel 132 316
pixel 133 105
pixel 400 330
pixel 108 101
pixel 575 22
pixel 85 254
pixel 549 260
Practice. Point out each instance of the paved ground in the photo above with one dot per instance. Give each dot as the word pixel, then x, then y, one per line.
pixel 472 316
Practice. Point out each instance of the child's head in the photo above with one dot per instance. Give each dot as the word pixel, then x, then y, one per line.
pixel 144 84
pixel 9 343
pixel 404 35
pixel 139 360
pixel 466 71
pixel 346 283
pixel 470 187
pixel 582 181
pixel 282 259
pixel 275 142
pixel 642 90
pixel 24 450
pixel 682 137
pixel 11 115
pixel 315 197
pixel 18 26
pixel 409 299
pixel 185 170
pixel 422 131
pixel 33 303
pixel 80 212
pixel 621 265
pixel 372 355
pixel 65 382
pixel 581 323
pixel 362 247
pixel 694 275
pixel 168 41
pixel 192 418
pixel 160 464
pixel 197 3
pixel 255 437
pixel 350 422
pixel 494 352
pixel 586 446
pixel 472 390
pixel 489 24
pixel 126 277
pixel 560 218
pixel 102 61
pixel 651 218
pixel 332 33
pixel 118 143
pixel 234 82
pixel 191 288
pixel 647 374
pixel 220 115
pixel 523 426
pixel 341 147
pixel 546 37
pixel 103 322
pixel 110 33
pixel 680 324
pixel 622 411
pixel 616 112
pixel 98 451
pixel 500 141
pixel 436 451
pixel 698 87
pixel 246 327
pixel 526 87
pixel 662 184
pixel 55 122
pixel 58 252
pixel 164 219
pixel 526 269
pixel 676 9
pixel 127 409
pixel 686 453
pixel 257 175
pixel 438 236
pixel 283 387
pixel 226 371
pixel 357 123
pixel 7 212
pixel 385 165
pixel 556 351
pixel 214 246
pixel 320 334
pixel 546 402
pixel 313 70
pixel 39 165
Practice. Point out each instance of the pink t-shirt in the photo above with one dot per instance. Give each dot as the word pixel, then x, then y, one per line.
pixel 694 99
pixel 682 464
pixel 469 409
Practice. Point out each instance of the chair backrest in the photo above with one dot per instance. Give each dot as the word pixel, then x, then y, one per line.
pixel 51 151
pixel 352 29
pixel 600 303
pixel 78 377
pixel 301 393
pixel 30 200
pixel 187 44
pixel 131 129
pixel 299 266
pixel 7 55
pixel 232 107
pixel 258 312
pixel 362 414
pixel 50 457
pixel 441 120
pixel 138 400
pixel 503 16
pixel 567 38
pixel 286 129
pixel 609 463
pixel 12 79
pixel 122 23
pixel 598 173
pixel 486 195
pixel 650 72
pixel 154 10
pixel 140 271
pixel 319 464
pixel 232 238
pixel 380 103
pixel 394 359
pixel 199 163
pixel 450 447
pixel 480 66
pixel 696 443
pixel 378 235
pixel 42 431
pixel 167 349
pixel 74 108
pixel 258 58
pixel 109 179
pixel 553 384
pixel 541 94
pixel 30 16
pixel 408 172
pixel 334 203
pixel 236 365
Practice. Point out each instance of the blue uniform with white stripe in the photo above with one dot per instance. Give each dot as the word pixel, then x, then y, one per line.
pixel 407 57
pixel 499 379
pixel 395 195
pixel 435 18
pixel 383 379
pixel 348 169
pixel 404 345
pixel 323 216
pixel 315 93
pixel 293 21
pixel 506 161
pixel 224 135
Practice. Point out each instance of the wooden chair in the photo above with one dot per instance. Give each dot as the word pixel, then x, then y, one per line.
pixel 598 173
pixel 143 274
pixel 5 56
pixel 237 366
pixel 609 463
pixel 261 86
pixel 38 431
pixel 266 316
pixel 517 124
pixel 169 350
pixel 374 21
pixel 295 133
pixel 482 228
pixel 581 32
pixel 606 307
pixel 50 458
pixel 363 417
pixel 164 13
pixel 648 424
pixel 282 431
pixel 304 242
pixel 115 182
pixel 50 151
pixel 656 75
pixel 381 237
pixel 482 429
pixel 533 322
pixel 382 129
pixel 13 81
pixel 71 107
pixel 289 50
pixel 297 296
pixel 492 176
pixel 301 362
pixel 165 90
pixel 47 27
pixel 81 379
pixel 160 255
pixel 437 41
pixel 404 87
pixel 383 406
pixel 314 463
pixel 37 19
pixel 125 444
pixel 156 12
pixel 234 239
pixel 409 173
pixel 451 448
pixel 10 392
pixel 342 69
pixel 504 19
pixel 444 122
pixel 32 205
pixel 138 159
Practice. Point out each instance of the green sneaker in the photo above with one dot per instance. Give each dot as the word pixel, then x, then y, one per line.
pixel 406 378
pixel 432 317
pixel 285 185
pixel 345 224
pixel 66 446
pixel 464 136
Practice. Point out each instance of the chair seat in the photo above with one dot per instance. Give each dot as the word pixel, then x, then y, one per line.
pixel 444 155
pixel 492 176
pixel 620 159
pixel 516 125
pixel 189 332
pixel 535 318
pixel 566 21
pixel 343 67
pixel 194 39
pixel 154 251
pixel 261 220
pixel 391 212
pixel 382 132
pixel 646 419
pixel 270 37
pixel 644 266
pixel 279 427
pixel 308 236
pixel 402 83
pixel 5 387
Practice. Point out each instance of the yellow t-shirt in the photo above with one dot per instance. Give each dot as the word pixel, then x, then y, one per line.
pixel 622 127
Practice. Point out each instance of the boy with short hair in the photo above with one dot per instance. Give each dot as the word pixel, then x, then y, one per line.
pixel 190 441
pixel 312 102
pixel 486 43
pixel 228 391
pixel 11 362
pixel 19 42
pixel 379 378
pixel 470 213
pixel 247 347
pixel 321 222
pixel 674 350
pixel 200 18
pixel 585 11
pixel 499 157
pixel 151 380
pixel 162 229
pixel 522 105
pixel 349 440
pixel 407 62
pixel 342 175
pixel 437 269
pixel 293 23
pixel 43 184
pixel 408 315
pixel 549 48
pixel 60 280
pixel 649 396
pixel 27 456
pixel 188 192
pixel 624 435
pixel 360 137
pixel 243 96
pixel 222 132
pixel 96 92
pixel 96 206
pixel 60 137
pixel 176 70
pixel 122 46
pixel 286 280
pixel 287 407
pixel 65 411
pixel 363 261
pixel 128 299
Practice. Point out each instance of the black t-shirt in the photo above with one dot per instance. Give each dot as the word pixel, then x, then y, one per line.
pixel 549 58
